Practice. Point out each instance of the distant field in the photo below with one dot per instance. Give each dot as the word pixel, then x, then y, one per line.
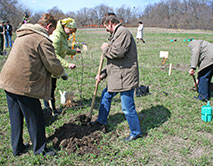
pixel 173 133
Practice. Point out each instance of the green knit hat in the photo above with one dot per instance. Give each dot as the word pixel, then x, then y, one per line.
pixel 69 23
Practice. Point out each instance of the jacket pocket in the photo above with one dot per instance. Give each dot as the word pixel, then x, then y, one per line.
pixel 115 79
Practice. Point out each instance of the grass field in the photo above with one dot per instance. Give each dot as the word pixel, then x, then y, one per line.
pixel 173 133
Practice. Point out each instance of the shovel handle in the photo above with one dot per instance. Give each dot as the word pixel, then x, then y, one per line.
pixel 193 76
pixel 195 82
pixel 96 86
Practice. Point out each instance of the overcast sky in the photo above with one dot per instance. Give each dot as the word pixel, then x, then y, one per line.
pixel 71 5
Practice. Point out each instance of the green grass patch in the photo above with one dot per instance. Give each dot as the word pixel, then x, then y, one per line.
pixel 173 133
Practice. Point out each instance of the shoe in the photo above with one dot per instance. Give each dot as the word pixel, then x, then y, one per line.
pixel 197 98
pixel 57 112
pixel 48 152
pixel 96 123
pixel 131 138
pixel 24 150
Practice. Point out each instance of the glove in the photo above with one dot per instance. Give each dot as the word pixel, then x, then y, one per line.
pixel 65 76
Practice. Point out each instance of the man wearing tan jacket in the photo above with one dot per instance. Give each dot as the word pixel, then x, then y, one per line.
pixel 26 78
pixel 202 58
pixel 122 74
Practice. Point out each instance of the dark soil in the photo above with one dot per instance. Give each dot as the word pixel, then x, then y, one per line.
pixel 78 136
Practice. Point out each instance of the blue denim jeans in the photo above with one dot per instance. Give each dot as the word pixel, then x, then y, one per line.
pixel 204 85
pixel 128 108
pixel 8 40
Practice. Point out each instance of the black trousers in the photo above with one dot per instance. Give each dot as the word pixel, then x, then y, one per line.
pixel 21 107
pixel 1 44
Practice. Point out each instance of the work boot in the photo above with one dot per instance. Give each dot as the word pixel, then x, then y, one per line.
pixel 57 112
pixel 96 123
pixel 48 152
pixel 132 138
pixel 26 147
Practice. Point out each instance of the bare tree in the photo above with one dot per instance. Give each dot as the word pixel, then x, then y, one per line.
pixel 57 13
pixel 10 10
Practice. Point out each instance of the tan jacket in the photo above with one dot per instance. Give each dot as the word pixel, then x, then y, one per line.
pixel 201 54
pixel 122 63
pixel 30 64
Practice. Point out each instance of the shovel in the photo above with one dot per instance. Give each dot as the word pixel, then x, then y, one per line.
pixel 96 87
pixel 195 84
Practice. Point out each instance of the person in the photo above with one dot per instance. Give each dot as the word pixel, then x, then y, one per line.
pixel 122 73
pixel 139 35
pixel 2 31
pixel 26 18
pixel 60 36
pixel 202 57
pixel 26 78
pixel 8 34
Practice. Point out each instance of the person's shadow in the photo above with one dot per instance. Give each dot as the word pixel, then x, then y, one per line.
pixel 149 118
pixel 153 117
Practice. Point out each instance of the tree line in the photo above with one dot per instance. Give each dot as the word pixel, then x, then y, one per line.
pixel 186 14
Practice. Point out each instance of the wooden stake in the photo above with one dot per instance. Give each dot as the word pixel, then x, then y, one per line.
pixel 164 60
pixel 170 68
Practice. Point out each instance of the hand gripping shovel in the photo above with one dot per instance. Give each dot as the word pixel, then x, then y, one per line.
pixel 96 87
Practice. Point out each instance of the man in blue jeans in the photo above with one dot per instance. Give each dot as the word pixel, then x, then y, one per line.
pixel 122 73
pixel 8 34
pixel 202 57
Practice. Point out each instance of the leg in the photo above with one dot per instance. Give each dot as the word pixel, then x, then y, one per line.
pixel 210 78
pixel 54 80
pixel 46 103
pixel 1 44
pixel 16 121
pixel 32 111
pixel 137 40
pixel 204 78
pixel 6 40
pixel 10 40
pixel 104 109
pixel 128 107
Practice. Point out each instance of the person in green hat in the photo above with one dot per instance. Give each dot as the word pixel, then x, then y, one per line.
pixel 65 31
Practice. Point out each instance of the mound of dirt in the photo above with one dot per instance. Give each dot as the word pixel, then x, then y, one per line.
pixel 77 136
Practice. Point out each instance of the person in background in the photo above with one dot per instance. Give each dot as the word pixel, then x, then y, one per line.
pixel 139 35
pixel 26 78
pixel 8 34
pixel 202 57
pixel 2 31
pixel 26 18
pixel 60 38
pixel 122 73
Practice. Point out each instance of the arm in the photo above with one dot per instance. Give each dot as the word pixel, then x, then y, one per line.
pixel 102 75
pixel 195 54
pixel 119 47
pixel 48 58
pixel 60 49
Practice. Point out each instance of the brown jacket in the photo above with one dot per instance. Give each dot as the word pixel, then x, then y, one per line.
pixel 30 64
pixel 122 63
pixel 201 54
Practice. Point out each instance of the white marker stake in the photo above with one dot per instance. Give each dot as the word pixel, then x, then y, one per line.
pixel 170 68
